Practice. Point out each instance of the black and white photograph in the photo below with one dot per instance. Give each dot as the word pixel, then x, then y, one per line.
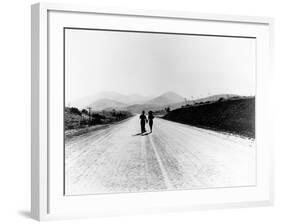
pixel 155 111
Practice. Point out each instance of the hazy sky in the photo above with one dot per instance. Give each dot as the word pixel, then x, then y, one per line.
pixel 151 64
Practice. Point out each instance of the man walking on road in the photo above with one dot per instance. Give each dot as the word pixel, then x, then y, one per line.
pixel 143 120
pixel 150 120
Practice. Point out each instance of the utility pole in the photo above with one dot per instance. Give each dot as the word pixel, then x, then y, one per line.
pixel 89 113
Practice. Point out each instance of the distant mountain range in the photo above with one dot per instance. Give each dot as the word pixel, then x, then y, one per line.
pixel 136 103
pixel 109 96
pixel 108 104
pixel 157 103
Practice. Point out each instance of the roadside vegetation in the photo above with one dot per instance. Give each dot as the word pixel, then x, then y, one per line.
pixel 82 121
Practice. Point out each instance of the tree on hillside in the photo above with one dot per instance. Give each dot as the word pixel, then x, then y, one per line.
pixel 167 109
pixel 221 99
pixel 75 110
pixel 84 111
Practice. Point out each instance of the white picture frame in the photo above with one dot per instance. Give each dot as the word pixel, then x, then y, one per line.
pixel 47 199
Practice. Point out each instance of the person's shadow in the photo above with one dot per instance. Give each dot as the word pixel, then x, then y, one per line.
pixel 146 133
pixel 138 134
pixel 142 134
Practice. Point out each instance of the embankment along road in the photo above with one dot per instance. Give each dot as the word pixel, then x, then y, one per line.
pixel 175 156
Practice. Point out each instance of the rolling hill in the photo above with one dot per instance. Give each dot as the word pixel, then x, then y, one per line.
pixel 106 104
pixel 213 98
pixel 234 115
pixel 165 99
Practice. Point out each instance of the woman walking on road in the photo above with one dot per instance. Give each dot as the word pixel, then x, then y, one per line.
pixel 150 120
pixel 143 120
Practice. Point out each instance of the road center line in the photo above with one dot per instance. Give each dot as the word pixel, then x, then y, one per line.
pixel 143 149
pixel 163 171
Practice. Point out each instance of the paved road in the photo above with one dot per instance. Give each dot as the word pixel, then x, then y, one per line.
pixel 174 156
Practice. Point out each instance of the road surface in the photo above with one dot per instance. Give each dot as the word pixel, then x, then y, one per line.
pixel 175 156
